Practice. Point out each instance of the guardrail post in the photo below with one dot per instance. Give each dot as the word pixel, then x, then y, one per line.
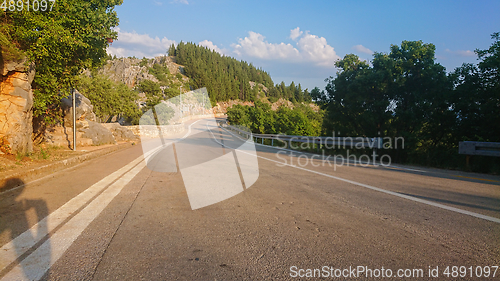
pixel 272 142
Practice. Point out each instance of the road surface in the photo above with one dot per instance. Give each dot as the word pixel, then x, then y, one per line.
pixel 120 218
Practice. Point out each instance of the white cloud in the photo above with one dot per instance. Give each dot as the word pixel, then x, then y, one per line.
pixel 138 45
pixel 255 46
pixel 295 33
pixel 157 3
pixel 462 53
pixel 310 48
pixel 181 2
pixel 119 52
pixel 212 46
pixel 362 49
pixel 316 49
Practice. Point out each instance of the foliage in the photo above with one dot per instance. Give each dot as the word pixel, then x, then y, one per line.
pixel 109 98
pixel 61 43
pixel 475 101
pixel 301 120
pixel 405 93
pixel 319 97
pixel 160 114
pixel 153 92
pixel 144 62
pixel 160 72
pixel 4 146
pixel 8 50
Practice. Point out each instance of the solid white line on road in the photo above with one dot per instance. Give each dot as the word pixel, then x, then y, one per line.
pixel 19 245
pixel 415 199
pixel 11 251
pixel 427 202
pixel 37 263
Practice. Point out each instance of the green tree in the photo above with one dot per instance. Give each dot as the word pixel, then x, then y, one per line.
pixel 476 98
pixel 301 120
pixel 62 42
pixel 350 101
pixel 109 98
pixel 224 77
pixel 144 62
pixel 319 96
pixel 420 96
pixel 152 91
pixel 404 94
pixel 171 50
pixel 160 72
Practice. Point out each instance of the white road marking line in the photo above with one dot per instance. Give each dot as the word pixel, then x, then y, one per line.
pixel 402 168
pixel 23 242
pixel 11 251
pixel 37 263
pixel 415 199
pixel 19 245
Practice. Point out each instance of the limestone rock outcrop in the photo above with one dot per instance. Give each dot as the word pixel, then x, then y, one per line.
pixel 130 71
pixel 16 102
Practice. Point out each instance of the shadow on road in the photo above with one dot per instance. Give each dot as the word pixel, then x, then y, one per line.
pixel 16 213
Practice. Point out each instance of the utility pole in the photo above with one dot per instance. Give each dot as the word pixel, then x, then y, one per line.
pixel 180 98
pixel 74 118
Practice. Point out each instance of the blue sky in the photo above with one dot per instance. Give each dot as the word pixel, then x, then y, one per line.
pixel 300 40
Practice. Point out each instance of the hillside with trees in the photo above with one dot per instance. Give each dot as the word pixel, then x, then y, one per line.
pixel 189 67
pixel 123 88
pixel 228 79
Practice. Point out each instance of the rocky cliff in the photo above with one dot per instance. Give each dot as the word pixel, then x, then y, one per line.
pixel 131 71
pixel 16 101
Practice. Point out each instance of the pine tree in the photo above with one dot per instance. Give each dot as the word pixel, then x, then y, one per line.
pixel 171 50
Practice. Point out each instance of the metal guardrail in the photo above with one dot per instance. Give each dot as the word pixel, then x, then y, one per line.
pixel 479 148
pixel 357 142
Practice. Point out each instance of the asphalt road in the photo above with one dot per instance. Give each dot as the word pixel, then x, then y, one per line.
pixel 119 217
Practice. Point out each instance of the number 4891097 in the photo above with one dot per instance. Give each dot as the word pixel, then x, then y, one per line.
pixel 28 5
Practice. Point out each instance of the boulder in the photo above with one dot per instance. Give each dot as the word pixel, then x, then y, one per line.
pixel 98 133
pixel 84 109
pixel 120 133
